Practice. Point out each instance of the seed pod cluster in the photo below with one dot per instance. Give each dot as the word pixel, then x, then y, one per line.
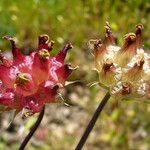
pixel 125 69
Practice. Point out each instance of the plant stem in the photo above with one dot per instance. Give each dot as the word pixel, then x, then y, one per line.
pixel 92 122
pixel 33 129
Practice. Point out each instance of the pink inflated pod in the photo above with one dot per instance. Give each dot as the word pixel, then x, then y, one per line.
pixel 30 81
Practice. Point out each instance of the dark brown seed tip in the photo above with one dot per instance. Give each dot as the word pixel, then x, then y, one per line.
pixel 109 37
pixel 43 39
pixel 67 47
pixel 97 44
pixel 108 28
pixel 130 37
pixel 139 29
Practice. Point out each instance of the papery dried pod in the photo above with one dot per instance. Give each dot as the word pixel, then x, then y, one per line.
pixel 125 70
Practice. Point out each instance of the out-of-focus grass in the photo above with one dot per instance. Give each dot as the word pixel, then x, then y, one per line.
pixel 78 21
pixel 75 21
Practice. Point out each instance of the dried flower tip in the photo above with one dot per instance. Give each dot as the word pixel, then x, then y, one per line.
pixel 108 28
pixel 130 38
pixel 138 33
pixel 67 47
pixel 139 29
pixel 45 43
pixel 109 37
pixel 44 54
pixel 97 44
pixel 22 79
pixel 94 43
pixel 43 39
pixel 62 54
pixel 51 44
pixel 99 49
pixel 128 50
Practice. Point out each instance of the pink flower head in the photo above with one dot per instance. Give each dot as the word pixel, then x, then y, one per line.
pixel 32 81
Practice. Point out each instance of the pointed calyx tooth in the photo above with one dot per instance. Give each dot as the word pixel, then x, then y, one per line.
pixel 130 42
pixel 22 79
pixel 94 44
pixel 109 37
pixel 97 44
pixel 12 40
pixel 50 45
pixel 45 43
pixel 63 73
pixel 130 37
pixel 43 39
pixel 17 54
pixel 67 47
pixel 138 33
pixel 62 54
pixel 44 54
pixel 99 48
pixel 139 29
pixel 66 69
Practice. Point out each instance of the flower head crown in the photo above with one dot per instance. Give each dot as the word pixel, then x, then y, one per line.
pixel 28 82
pixel 124 70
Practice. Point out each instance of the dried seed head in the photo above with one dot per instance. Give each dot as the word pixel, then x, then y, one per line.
pixel 126 69
pixel 22 79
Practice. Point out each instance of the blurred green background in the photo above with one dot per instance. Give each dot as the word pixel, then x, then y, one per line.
pixel 123 125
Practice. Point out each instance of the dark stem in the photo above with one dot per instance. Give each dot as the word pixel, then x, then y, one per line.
pixel 92 122
pixel 33 129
